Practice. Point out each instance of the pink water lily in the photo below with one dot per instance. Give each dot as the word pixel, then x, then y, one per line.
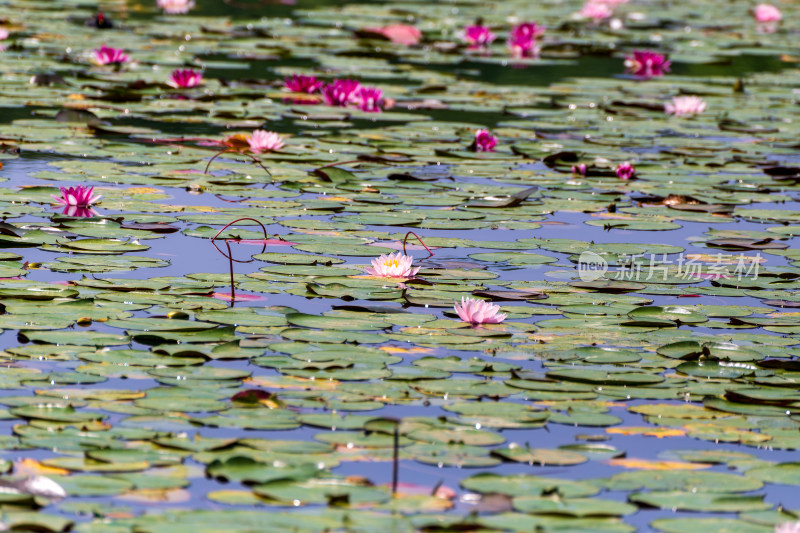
pixel 625 171
pixel 79 196
pixel 264 141
pixel 647 64
pixel 767 13
pixel 685 105
pixel 369 99
pixel 579 169
pixel 522 39
pixel 438 491
pixel 394 265
pixel 3 34
pixel 484 141
pixel 185 78
pixel 340 93
pixel 478 36
pixel 175 7
pixel 788 527
pixel 300 83
pixel 479 311
pixel 397 33
pixel 596 10
pixel 105 55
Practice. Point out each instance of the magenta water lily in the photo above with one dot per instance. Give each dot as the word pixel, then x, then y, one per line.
pixel 484 141
pixel 625 171
pixel 477 311
pixel 79 196
pixel 370 99
pixel 647 64
pixel 478 36
pixel 341 93
pixel 300 83
pixel 105 55
pixel 523 39
pixel 185 78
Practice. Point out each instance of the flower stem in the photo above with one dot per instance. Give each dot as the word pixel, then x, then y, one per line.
pixel 251 156
pixel 229 255
pixel 420 241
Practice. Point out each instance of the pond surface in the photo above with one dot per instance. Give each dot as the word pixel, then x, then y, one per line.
pixel 645 378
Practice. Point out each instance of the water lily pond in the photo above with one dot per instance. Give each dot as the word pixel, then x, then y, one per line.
pixel 219 342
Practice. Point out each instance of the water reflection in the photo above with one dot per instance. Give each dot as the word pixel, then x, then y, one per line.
pixel 80 211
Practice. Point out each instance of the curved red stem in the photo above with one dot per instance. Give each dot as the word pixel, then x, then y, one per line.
pixel 251 156
pixel 216 156
pixel 229 255
pixel 420 241
pixel 257 162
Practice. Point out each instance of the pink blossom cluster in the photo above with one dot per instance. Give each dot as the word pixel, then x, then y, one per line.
pixel 522 40
pixel 338 93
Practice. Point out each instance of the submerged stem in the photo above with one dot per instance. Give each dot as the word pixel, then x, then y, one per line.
pixel 395 458
pixel 230 268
